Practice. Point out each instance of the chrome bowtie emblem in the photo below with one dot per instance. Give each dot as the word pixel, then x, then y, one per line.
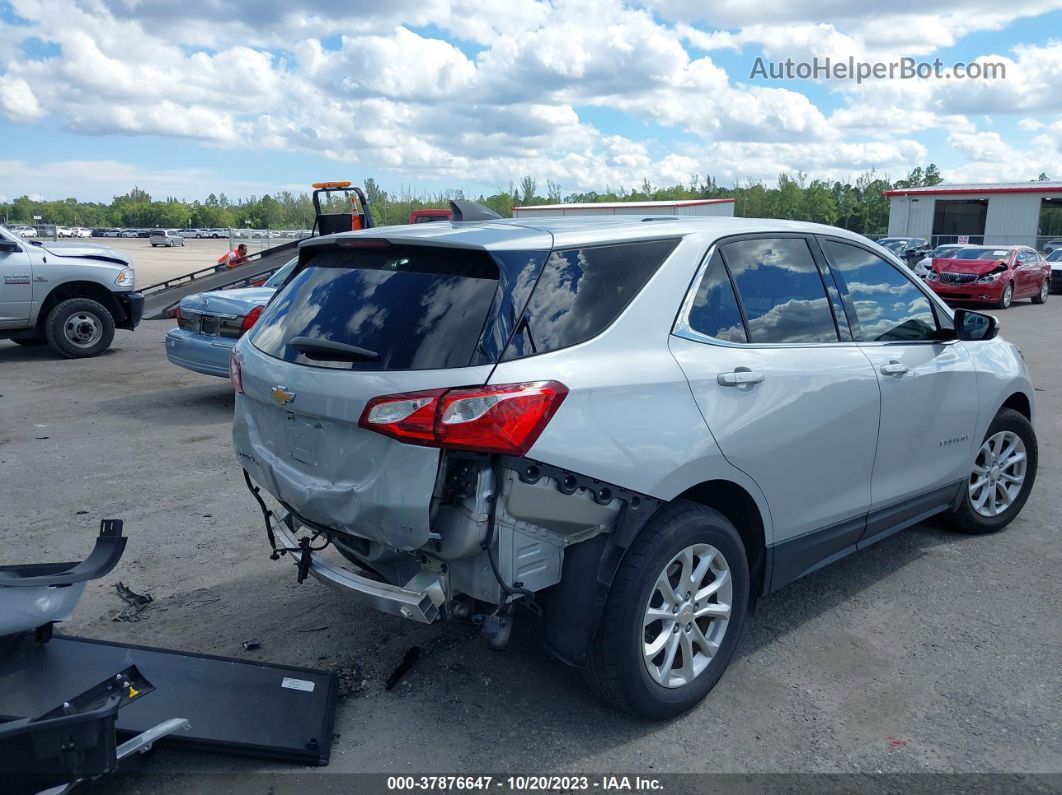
pixel 281 395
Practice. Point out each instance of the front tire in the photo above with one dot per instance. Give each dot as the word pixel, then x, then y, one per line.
pixel 1001 477
pixel 673 615
pixel 1045 290
pixel 79 327
pixel 1008 296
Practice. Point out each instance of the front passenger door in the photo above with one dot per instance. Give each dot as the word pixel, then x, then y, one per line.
pixel 929 390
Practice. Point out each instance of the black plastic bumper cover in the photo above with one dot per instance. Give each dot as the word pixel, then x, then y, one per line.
pixel 132 305
pixel 104 556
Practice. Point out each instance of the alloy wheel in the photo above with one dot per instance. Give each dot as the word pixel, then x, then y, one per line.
pixel 1008 295
pixel 687 615
pixel 998 473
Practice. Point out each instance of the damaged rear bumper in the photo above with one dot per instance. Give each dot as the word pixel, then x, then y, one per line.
pixel 421 599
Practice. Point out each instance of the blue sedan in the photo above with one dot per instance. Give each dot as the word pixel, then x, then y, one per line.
pixel 209 324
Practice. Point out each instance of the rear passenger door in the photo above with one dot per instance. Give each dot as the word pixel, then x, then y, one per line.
pixel 929 391
pixel 789 397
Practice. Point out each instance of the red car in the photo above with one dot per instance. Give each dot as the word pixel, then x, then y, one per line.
pixel 993 275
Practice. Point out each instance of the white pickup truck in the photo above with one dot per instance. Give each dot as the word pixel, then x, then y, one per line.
pixel 69 296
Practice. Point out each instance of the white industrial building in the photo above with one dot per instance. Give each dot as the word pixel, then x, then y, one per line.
pixel 720 207
pixel 988 213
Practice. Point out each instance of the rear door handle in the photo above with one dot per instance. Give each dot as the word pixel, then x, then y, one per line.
pixel 739 377
pixel 894 368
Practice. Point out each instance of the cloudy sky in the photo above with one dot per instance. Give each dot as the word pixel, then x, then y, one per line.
pixel 184 97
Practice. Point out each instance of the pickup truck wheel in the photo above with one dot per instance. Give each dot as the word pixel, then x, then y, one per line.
pixel 79 327
pixel 673 615
pixel 1001 477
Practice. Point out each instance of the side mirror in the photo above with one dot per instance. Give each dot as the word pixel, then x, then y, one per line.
pixel 975 326
pixel 9 245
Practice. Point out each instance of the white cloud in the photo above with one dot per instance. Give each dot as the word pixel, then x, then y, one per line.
pixel 102 179
pixel 18 101
pixel 366 84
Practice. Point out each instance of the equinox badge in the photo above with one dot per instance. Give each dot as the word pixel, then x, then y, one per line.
pixel 281 395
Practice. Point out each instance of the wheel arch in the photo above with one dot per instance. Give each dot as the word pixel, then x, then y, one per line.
pixel 1020 403
pixel 740 507
pixel 78 289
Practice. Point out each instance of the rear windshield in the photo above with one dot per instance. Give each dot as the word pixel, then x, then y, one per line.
pixel 408 307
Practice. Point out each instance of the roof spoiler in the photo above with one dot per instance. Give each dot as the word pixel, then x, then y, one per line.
pixel 471 211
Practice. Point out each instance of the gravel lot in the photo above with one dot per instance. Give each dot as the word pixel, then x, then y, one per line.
pixel 156 264
pixel 928 652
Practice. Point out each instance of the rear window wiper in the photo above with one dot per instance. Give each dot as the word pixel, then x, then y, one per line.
pixel 331 350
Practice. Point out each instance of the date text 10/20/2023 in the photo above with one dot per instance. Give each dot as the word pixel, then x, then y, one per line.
pixel 528 783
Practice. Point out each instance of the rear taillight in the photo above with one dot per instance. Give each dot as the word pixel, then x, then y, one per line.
pixel 177 314
pixel 236 373
pixel 250 319
pixel 501 418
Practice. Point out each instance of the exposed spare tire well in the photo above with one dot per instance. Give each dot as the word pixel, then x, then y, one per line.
pixel 737 505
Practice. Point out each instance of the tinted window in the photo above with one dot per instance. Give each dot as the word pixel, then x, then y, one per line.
pixel 416 307
pixel 581 291
pixel 715 311
pixel 781 291
pixel 887 304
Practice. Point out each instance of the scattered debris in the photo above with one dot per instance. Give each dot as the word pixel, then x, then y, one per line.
pixel 408 659
pixel 251 645
pixel 896 742
pixel 136 603
pixel 80 513
pixel 314 629
pixel 41 437
pixel 351 681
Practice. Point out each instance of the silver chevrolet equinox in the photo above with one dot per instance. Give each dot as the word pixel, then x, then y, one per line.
pixel 632 426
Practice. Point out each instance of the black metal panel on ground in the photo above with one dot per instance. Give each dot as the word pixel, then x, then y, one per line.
pixel 160 298
pixel 239 707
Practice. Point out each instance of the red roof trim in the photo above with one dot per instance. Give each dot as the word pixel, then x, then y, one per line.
pixel 952 191
pixel 587 205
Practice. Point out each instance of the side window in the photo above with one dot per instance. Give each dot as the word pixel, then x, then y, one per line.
pixel 781 291
pixel 581 291
pixel 888 306
pixel 715 311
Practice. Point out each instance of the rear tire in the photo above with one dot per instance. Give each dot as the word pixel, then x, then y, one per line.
pixel 993 504
pixel 639 617
pixel 1045 290
pixel 79 327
